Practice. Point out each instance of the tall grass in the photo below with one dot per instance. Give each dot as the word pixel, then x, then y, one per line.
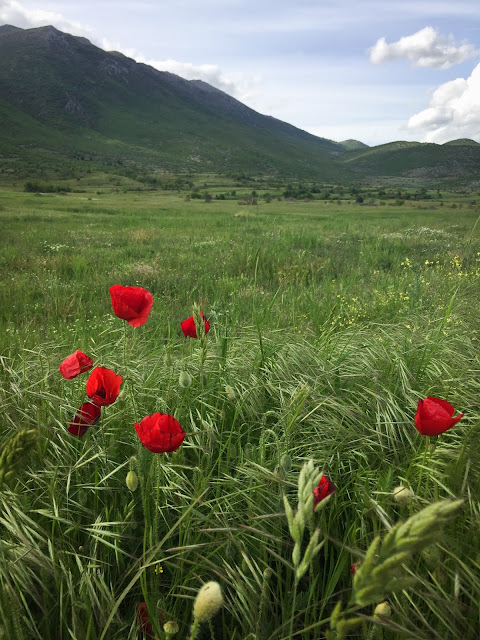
pixel 324 336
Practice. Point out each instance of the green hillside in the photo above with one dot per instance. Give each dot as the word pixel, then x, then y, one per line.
pixel 458 161
pixel 353 145
pixel 112 107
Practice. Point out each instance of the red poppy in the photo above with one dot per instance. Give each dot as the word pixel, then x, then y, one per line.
pixel 190 330
pixel 160 433
pixel 132 304
pixel 435 416
pixel 323 490
pixel 353 568
pixel 75 364
pixel 103 386
pixel 143 620
pixel 86 416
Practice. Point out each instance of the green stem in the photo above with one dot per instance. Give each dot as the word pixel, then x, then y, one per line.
pixel 424 462
pixel 210 626
pixel 157 501
pixel 294 605
pixel 193 632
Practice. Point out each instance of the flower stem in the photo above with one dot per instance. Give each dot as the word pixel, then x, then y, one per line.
pixel 424 462
pixel 212 633
pixel 125 346
pixel 193 631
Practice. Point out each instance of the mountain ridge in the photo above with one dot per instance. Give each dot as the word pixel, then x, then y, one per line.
pixel 63 95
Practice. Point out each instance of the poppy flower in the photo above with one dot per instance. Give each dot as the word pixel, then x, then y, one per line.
pixel 190 330
pixel 75 364
pixel 435 416
pixel 143 620
pixel 353 568
pixel 86 416
pixel 324 489
pixel 132 304
pixel 103 386
pixel 160 433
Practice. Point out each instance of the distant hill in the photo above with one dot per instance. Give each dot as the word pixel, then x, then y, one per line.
pixel 462 142
pixel 352 145
pixel 456 162
pixel 65 104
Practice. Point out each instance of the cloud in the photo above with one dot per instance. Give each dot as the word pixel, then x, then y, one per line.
pixel 425 48
pixel 12 12
pixel 453 111
pixel 234 84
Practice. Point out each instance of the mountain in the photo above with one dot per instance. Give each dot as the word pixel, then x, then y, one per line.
pixel 67 106
pixel 64 95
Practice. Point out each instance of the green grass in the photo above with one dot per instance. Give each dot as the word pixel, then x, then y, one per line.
pixel 329 322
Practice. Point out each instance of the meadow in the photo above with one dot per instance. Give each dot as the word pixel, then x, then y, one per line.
pixel 329 319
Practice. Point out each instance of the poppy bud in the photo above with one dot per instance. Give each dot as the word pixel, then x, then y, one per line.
pixel 382 610
pixel 171 628
pixel 184 379
pixel 208 602
pixel 402 495
pixel 132 480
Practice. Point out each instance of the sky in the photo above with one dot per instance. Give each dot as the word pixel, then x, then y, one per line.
pixel 371 70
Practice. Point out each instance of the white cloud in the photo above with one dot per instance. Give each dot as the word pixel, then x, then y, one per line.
pixel 425 48
pixel 12 12
pixel 453 111
pixel 234 84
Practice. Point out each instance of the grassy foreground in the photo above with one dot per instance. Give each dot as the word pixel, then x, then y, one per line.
pixel 329 322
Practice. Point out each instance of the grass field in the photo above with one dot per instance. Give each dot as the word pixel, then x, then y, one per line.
pixel 329 321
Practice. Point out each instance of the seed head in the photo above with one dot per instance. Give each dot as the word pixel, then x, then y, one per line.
pixel 230 392
pixel 208 602
pixel 13 451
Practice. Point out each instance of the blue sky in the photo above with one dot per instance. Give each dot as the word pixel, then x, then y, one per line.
pixel 364 69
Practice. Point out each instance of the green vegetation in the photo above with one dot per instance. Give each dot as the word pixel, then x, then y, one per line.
pixel 329 320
